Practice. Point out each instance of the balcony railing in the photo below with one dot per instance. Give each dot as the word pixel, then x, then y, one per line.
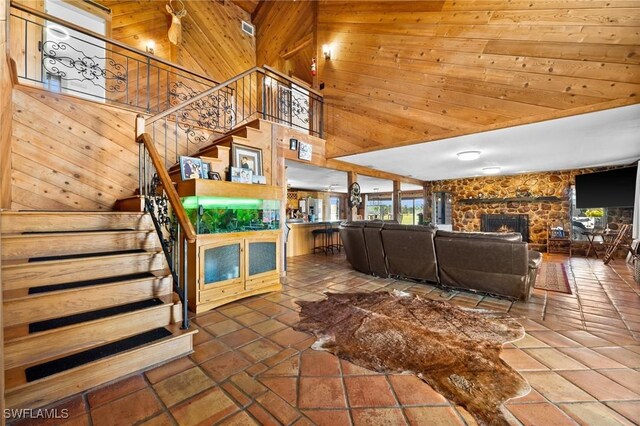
pixel 61 57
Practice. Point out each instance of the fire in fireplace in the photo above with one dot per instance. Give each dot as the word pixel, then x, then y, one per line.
pixel 506 223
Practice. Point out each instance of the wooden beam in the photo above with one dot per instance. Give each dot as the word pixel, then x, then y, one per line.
pixel 297 46
pixel 349 167
pixel 395 201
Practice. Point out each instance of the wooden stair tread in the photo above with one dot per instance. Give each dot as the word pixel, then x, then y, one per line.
pixel 92 232
pixel 15 378
pixel 29 349
pixel 13 263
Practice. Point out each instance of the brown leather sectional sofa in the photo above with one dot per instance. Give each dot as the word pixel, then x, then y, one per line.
pixel 494 263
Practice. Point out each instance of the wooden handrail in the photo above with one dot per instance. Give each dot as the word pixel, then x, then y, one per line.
pixel 100 37
pixel 187 228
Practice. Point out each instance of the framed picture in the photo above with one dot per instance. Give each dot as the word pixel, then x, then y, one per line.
pixel 190 168
pixel 241 175
pixel 206 168
pixel 293 144
pixel 305 152
pixel 246 157
pixel 214 176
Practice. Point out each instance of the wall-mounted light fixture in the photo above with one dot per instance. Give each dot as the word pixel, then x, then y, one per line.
pixel 150 46
pixel 326 51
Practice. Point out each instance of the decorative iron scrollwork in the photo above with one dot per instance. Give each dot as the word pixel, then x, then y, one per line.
pixel 158 206
pixel 215 112
pixel 293 107
pixel 70 64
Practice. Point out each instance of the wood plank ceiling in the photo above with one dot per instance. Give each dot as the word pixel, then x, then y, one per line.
pixel 410 71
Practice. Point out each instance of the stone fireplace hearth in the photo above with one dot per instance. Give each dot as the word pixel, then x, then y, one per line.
pixel 506 223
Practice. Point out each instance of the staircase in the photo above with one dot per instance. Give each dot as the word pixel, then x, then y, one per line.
pixel 87 300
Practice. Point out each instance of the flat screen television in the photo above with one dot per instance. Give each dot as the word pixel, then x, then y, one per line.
pixel 613 188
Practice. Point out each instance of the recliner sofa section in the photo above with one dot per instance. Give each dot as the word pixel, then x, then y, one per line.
pixel 494 263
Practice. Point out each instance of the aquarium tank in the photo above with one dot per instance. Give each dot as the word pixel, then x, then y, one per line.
pixel 216 215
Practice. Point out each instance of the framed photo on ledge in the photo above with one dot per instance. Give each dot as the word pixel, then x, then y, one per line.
pixel 306 151
pixel 246 157
pixel 241 175
pixel 190 168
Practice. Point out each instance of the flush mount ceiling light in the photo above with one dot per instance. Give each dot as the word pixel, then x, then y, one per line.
pixel 491 170
pixel 468 155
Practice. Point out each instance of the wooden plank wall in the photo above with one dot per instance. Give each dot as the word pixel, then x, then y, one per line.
pixel 70 154
pixel 282 26
pixel 408 71
pixel 5 114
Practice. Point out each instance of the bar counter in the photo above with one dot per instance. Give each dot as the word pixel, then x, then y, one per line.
pixel 300 239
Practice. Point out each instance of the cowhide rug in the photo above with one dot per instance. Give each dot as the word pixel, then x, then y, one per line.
pixel 454 350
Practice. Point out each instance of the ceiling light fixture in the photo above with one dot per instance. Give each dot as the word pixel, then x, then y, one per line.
pixel 491 170
pixel 468 155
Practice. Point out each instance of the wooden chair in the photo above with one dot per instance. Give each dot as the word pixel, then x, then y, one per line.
pixel 621 240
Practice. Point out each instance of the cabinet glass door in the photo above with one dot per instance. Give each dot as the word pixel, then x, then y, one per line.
pixel 221 263
pixel 262 257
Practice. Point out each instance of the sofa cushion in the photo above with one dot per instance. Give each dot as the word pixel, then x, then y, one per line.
pixel 506 236
pixel 410 251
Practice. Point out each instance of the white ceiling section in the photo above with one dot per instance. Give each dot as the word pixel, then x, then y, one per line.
pixel 595 139
pixel 306 176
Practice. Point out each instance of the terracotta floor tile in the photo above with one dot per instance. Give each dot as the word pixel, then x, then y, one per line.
pixel 160 420
pixel 233 310
pixel 285 387
pixel 540 414
pixel 325 392
pixel 208 318
pixel 369 391
pixel 590 358
pixel 262 415
pixel 281 356
pixel 437 416
pixel 329 417
pixel 554 359
pixel 268 327
pixel 248 384
pixel 594 413
pixel 349 368
pixel 601 387
pixel 223 327
pixel 206 408
pixel 239 338
pixel 240 398
pixel 629 409
pixel 319 363
pixel 225 365
pixel 75 406
pixel 169 369
pixel 521 361
pixel 182 386
pixel 260 349
pixel 554 387
pixel 289 367
pixel 278 408
pixel 115 390
pixel 290 318
pixel 628 378
pixel 378 416
pixel 208 350
pixel 529 341
pixel 130 409
pixel 532 396
pixel 251 318
pixel 256 369
pixel 411 390
pixel 240 419
pixel 288 337
pixel 554 339
pixel 201 336
pixel 622 355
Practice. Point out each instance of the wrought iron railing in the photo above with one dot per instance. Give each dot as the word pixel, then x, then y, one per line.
pixel 259 92
pixel 170 220
pixel 62 57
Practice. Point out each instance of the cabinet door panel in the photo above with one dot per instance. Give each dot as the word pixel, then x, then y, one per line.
pixel 221 264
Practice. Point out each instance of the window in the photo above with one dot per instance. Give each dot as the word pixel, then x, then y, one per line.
pixel 411 209
pixel 378 206
pixel 334 205
pixel 586 220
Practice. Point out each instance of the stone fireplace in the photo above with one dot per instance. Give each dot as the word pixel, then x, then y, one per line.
pixel 506 223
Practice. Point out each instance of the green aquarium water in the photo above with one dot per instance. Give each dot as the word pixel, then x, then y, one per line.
pixel 217 215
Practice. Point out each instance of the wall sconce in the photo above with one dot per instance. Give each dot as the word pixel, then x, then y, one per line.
pixel 150 46
pixel 326 51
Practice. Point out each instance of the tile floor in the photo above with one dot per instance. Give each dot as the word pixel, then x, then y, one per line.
pixel 581 355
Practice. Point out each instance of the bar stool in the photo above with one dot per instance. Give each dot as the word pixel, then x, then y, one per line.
pixel 336 244
pixel 324 235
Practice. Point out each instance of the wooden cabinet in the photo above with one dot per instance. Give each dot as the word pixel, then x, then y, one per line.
pixel 558 239
pixel 228 267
